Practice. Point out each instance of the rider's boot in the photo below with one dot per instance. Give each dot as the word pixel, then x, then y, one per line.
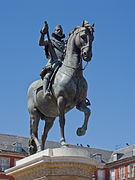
pixel 46 84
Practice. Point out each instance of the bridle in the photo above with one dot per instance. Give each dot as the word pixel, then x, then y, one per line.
pixel 82 69
pixel 71 66
pixel 82 47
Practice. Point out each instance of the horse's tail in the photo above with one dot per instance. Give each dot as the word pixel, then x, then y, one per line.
pixel 31 95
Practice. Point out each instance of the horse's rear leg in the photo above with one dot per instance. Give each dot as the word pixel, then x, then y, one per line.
pixel 34 122
pixel 48 124
pixel 61 106
pixel 83 107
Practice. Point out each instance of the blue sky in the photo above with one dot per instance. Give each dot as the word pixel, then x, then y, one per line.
pixel 110 74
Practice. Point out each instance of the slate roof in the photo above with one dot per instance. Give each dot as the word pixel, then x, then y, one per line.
pixel 105 154
pixel 123 153
pixel 8 143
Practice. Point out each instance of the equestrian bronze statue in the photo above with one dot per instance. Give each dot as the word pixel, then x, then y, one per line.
pixel 68 87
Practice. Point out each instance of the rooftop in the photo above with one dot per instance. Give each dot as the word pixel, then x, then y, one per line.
pixel 121 154
pixel 8 143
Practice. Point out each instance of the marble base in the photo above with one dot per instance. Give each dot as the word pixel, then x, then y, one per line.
pixel 55 164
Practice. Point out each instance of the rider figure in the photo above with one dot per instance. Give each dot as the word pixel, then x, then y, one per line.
pixel 54 50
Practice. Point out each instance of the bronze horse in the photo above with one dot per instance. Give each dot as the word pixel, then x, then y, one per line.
pixel 69 89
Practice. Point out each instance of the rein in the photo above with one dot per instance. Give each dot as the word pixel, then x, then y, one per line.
pixel 85 66
pixel 82 69
pixel 71 66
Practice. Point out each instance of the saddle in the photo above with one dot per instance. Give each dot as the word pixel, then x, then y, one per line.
pixel 43 73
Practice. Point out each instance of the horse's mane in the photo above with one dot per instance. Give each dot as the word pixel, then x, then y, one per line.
pixel 72 32
pixel 85 24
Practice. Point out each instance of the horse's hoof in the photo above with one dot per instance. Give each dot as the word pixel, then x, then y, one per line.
pixel 63 143
pixel 32 150
pixel 80 131
pixel 39 149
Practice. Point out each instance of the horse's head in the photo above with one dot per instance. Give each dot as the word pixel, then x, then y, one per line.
pixel 84 39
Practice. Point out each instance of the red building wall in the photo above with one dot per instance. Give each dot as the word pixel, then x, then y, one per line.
pixel 125 164
pixel 12 158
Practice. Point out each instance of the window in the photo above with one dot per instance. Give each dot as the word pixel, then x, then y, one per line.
pixel 18 147
pixel 112 174
pixel 101 174
pixel 134 152
pixel 122 172
pixel 4 163
pixel 115 157
pixel 131 170
pixel 99 157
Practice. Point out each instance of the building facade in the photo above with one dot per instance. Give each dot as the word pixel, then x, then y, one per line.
pixel 121 165
pixel 116 165
pixel 8 160
pixel 12 148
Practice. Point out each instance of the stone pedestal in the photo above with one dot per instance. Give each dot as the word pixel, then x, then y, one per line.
pixel 55 164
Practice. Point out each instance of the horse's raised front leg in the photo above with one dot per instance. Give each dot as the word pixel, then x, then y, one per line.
pixel 83 107
pixel 48 124
pixel 61 106
pixel 34 144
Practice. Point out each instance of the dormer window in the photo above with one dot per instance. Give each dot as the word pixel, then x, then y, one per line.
pixel 115 157
pixel 19 147
pixel 134 152
pixel 99 157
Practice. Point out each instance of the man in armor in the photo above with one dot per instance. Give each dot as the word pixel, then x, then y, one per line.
pixel 54 50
